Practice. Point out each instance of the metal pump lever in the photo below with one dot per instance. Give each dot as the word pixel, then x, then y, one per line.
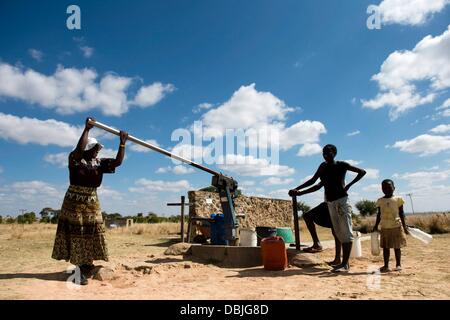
pixel 226 186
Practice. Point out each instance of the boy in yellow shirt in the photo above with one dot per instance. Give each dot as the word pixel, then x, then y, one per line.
pixel 392 218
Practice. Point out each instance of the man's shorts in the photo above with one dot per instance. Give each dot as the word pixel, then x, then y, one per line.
pixel 320 215
pixel 341 217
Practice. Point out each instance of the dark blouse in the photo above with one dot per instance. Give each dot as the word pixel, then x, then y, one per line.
pixel 87 174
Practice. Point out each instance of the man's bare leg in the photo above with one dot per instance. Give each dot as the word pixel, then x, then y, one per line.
pixel 337 248
pixel 312 230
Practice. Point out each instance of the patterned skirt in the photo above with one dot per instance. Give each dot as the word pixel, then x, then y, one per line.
pixel 392 238
pixel 80 236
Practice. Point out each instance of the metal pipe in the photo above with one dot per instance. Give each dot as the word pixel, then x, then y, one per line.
pixel 154 148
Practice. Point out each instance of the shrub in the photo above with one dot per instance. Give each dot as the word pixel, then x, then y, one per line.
pixel 366 207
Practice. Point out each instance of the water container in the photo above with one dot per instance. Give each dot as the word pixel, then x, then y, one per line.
pixel 356 248
pixel 218 229
pixel 286 234
pixel 274 255
pixel 248 238
pixel 265 232
pixel 420 235
pixel 375 243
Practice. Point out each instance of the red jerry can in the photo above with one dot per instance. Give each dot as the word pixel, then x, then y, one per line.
pixel 274 253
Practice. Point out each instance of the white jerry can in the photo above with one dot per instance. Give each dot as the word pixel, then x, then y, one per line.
pixel 375 243
pixel 356 249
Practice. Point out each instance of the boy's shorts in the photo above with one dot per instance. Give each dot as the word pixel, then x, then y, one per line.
pixel 320 215
pixel 341 217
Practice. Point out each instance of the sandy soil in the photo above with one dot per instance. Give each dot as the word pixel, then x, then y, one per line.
pixel 142 271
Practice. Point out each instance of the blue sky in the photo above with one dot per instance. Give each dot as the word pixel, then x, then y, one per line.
pixel 312 70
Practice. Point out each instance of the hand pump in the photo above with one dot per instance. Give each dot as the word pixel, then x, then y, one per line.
pixel 226 186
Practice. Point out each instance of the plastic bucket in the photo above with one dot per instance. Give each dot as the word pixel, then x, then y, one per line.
pixel 375 243
pixel 265 232
pixel 356 249
pixel 248 238
pixel 218 230
pixel 420 235
pixel 286 234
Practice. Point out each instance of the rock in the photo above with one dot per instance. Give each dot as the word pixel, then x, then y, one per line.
pixel 104 274
pixel 187 266
pixel 178 249
pixel 303 260
pixel 144 269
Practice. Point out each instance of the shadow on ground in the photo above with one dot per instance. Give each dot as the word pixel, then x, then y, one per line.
pixel 165 243
pixel 51 276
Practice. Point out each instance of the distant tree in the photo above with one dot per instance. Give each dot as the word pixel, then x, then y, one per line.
pixel 55 216
pixel 174 218
pixel 46 215
pixel 153 218
pixel 139 218
pixel 26 218
pixel 10 220
pixel 366 207
pixel 1 219
pixel 303 207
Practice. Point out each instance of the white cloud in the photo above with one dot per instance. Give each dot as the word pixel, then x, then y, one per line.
pixel 372 173
pixel 256 110
pixel 250 109
pixel 144 185
pixel 29 189
pixel 58 159
pixel 139 148
pixel 444 105
pixel 87 51
pixel 106 193
pixel 279 194
pixel 180 169
pixel 36 54
pixel 376 187
pixel 71 90
pixel 424 178
pixel 152 94
pixel 191 152
pixel 247 183
pixel 409 12
pixel 354 133
pixel 424 144
pixel 201 107
pixel 353 162
pixel 61 159
pixel 302 132
pixel 108 153
pixel 309 149
pixel 250 166
pixel 429 61
pixel 443 128
pixel 43 132
pixel 272 181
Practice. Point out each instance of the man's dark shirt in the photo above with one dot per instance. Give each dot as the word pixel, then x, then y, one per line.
pixel 332 176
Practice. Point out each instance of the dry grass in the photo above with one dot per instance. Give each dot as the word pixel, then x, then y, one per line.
pixel 153 229
pixel 26 231
pixel 432 223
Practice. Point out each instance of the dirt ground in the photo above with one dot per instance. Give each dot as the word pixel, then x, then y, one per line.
pixel 142 271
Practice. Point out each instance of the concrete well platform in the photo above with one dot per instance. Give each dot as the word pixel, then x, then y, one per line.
pixel 231 256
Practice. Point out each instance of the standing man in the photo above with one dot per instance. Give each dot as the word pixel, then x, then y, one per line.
pixel 332 177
